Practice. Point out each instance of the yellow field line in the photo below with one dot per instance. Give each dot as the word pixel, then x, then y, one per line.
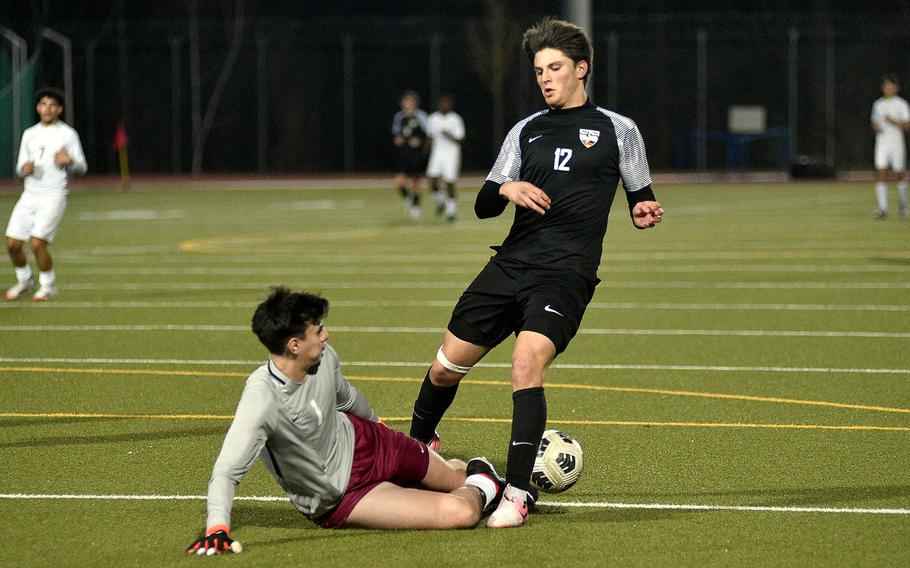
pixel 668 393
pixel 636 390
pixel 110 415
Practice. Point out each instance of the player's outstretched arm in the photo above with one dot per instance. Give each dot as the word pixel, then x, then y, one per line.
pixel 646 214
pixel 215 541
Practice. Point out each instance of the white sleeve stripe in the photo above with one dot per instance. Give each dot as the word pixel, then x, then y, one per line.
pixel 508 164
pixel 633 161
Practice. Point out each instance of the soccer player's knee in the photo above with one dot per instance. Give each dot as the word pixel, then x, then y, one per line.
pixel 525 371
pixel 457 513
pixel 444 372
pixel 442 377
pixel 13 246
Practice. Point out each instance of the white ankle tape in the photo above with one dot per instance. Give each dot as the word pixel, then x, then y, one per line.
pixel 440 356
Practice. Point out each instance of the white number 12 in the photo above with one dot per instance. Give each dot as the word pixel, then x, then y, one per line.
pixel 561 157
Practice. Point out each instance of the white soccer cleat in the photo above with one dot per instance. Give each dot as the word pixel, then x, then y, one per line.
pixel 46 294
pixel 512 510
pixel 17 290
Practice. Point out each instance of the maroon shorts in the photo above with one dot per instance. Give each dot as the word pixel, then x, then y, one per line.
pixel 380 454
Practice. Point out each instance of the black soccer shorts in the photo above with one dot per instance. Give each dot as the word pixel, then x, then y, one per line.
pixel 507 298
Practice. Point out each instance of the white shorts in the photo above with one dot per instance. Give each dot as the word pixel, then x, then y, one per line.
pixel 36 216
pixel 893 155
pixel 444 164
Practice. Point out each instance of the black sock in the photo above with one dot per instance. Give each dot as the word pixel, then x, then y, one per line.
pixel 431 404
pixel 529 420
pixel 451 189
pixel 403 191
pixel 415 198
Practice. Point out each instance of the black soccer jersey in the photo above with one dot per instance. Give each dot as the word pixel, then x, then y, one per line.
pixel 577 157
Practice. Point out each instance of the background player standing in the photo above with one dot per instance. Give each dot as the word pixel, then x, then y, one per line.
pixel 560 167
pixel 446 130
pixel 49 153
pixel 890 118
pixel 321 441
pixel 409 135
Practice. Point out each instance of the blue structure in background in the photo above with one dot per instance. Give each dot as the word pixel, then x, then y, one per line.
pixel 736 145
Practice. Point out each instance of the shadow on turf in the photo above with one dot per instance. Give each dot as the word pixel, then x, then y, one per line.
pixel 209 430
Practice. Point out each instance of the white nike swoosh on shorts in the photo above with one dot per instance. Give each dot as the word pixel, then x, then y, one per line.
pixel 547 308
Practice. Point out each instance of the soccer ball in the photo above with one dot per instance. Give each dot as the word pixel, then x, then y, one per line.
pixel 558 464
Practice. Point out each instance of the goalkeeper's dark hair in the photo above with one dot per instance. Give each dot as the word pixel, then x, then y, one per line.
pixel 892 78
pixel 285 314
pixel 564 36
pixel 52 93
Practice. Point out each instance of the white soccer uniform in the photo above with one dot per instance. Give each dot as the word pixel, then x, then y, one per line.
pixel 43 201
pixel 890 150
pixel 445 156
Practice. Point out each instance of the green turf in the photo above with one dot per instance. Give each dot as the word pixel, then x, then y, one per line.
pixel 752 351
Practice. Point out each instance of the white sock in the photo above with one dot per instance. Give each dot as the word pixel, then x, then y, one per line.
pixel 24 273
pixel 438 197
pixel 47 278
pixel 483 484
pixel 881 193
pixel 451 207
pixel 902 193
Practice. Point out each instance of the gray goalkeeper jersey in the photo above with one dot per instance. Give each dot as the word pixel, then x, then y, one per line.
pixel 299 431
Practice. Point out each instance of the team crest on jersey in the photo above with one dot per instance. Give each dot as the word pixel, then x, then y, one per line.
pixel 588 137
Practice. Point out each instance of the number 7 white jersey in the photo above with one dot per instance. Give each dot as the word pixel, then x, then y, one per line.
pixel 40 143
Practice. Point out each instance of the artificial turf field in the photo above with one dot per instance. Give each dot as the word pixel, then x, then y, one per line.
pixel 740 384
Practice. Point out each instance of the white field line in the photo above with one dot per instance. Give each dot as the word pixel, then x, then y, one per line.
pixel 472 253
pixel 424 364
pixel 572 504
pixel 436 330
pixel 437 285
pixel 157 269
pixel 177 304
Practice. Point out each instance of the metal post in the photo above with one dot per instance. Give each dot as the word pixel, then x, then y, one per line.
pixel 18 54
pixel 262 102
pixel 176 82
pixel 90 100
pixel 702 98
pixel 793 92
pixel 348 66
pixel 435 66
pixel 123 63
pixel 67 46
pixel 612 70
pixel 829 98
pixel 579 13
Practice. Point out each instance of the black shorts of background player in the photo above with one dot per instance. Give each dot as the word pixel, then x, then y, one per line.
pixel 409 135
pixel 560 167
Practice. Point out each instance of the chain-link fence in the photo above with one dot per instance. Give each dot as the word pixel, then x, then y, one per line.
pixel 319 95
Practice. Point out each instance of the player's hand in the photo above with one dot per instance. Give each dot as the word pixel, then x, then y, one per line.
pixel 215 541
pixel 527 195
pixel 28 168
pixel 398 140
pixel 415 142
pixel 646 214
pixel 61 158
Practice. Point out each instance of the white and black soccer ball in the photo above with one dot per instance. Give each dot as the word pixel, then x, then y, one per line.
pixel 558 464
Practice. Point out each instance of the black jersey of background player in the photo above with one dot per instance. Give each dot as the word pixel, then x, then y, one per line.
pixel 413 126
pixel 576 156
